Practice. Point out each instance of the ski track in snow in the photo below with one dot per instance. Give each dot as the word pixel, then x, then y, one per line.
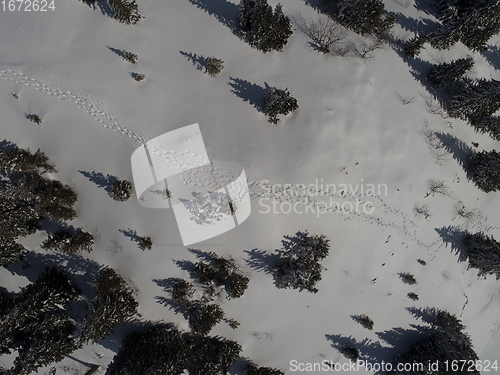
pixel 383 214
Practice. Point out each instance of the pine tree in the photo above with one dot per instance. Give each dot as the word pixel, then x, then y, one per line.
pixel 300 266
pixel 69 240
pixel 202 317
pixel 112 304
pixel 485 170
pixel 447 73
pixel 125 11
pixel 366 17
pixel 484 254
pixel 446 343
pixel 16 160
pixel 279 102
pixel 487 124
pixel 476 100
pixel 212 355
pixel 253 369
pixel 264 29
pixel 161 349
pixel 145 243
pixel 121 191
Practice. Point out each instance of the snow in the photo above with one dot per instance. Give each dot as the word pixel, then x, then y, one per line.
pixel 350 128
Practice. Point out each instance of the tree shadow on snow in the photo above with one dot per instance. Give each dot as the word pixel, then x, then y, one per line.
pixel 459 150
pixel 200 62
pixel 132 234
pixel 102 5
pixel 453 236
pixel 261 260
pixel 492 54
pixel 103 181
pixel 417 26
pixel 249 92
pixel 224 11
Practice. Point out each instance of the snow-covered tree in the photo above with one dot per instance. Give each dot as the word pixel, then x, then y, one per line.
pixel 10 251
pixel 112 304
pixel 212 355
pixel 477 99
pixel 125 11
pixel 203 316
pixel 366 17
pixel 446 342
pixel 408 278
pixel 16 160
pixel 484 167
pixel 364 320
pixel 121 191
pixel 223 272
pixel 161 349
pixel 278 102
pixel 69 240
pixel 37 324
pixel 264 29
pixel 484 254
pixel 487 124
pixel 445 74
pixel 214 66
pixel 300 266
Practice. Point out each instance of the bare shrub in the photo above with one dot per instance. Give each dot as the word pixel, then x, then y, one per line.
pixel 437 187
pixel 405 99
pixel 422 210
pixel 436 146
pixel 34 118
pixel 323 32
pixel 432 106
pixel 138 76
pixel 364 48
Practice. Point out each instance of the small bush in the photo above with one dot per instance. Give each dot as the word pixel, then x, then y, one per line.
pixel 214 66
pixel 121 191
pixel 34 118
pixel 278 102
pixel 138 76
pixel 408 278
pixel 364 320
pixel 130 57
pixel 145 243
pixel 422 210
pixel 422 262
pixel 413 296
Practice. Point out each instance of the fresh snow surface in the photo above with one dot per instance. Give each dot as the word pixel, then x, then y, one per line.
pixel 350 128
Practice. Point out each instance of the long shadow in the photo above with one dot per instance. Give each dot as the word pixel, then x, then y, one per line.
pixel 492 54
pixel 249 92
pixel 425 314
pixel 119 52
pixel 453 236
pixel 401 340
pixel 6 145
pixel 224 11
pixel 459 150
pixel 114 340
pixel 132 234
pixel 260 260
pixel 102 5
pixel 103 181
pixel 200 62
pixel 419 27
pixel 427 7
pixel 79 270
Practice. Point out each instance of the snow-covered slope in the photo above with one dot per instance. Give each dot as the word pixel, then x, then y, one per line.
pixel 350 128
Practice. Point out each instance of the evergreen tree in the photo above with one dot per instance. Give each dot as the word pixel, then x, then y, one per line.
pixel 37 325
pixel 16 160
pixel 264 29
pixel 446 343
pixel 487 124
pixel 202 316
pixel 69 240
pixel 484 254
pixel 278 102
pixel 476 100
pixel 125 11
pixel 253 369
pixel 145 243
pixel 485 170
pixel 447 73
pixel 366 17
pixel 161 349
pixel 112 304
pixel 10 251
pixel 121 191
pixel 212 355
pixel 222 271
pixel 300 266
